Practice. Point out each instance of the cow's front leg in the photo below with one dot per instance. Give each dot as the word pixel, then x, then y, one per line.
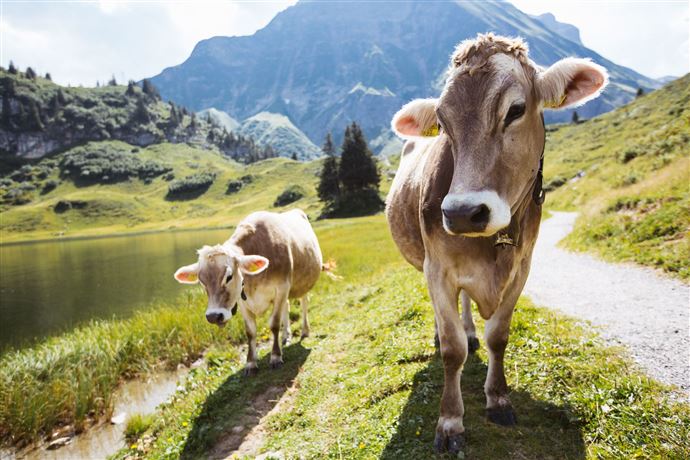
pixel 274 323
pixel 444 297
pixel 250 328
pixel 498 407
pixel 468 323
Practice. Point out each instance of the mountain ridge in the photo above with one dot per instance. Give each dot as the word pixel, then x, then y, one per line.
pixel 324 64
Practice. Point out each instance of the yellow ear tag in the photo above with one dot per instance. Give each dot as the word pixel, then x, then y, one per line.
pixel 431 131
pixel 191 277
pixel 555 104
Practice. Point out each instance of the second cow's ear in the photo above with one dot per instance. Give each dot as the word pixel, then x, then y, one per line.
pixel 252 265
pixel 189 274
pixel 416 119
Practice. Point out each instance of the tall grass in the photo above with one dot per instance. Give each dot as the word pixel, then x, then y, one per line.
pixel 71 378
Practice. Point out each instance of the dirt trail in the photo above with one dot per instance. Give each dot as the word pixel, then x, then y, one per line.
pixel 634 306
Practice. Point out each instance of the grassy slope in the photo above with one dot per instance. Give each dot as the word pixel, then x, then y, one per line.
pixel 133 206
pixel 634 198
pixel 367 383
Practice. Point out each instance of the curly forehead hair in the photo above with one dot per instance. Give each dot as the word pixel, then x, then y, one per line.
pixel 473 54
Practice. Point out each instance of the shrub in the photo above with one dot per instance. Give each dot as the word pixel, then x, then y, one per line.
pixel 554 183
pixel 107 164
pixel 191 186
pixel 234 186
pixel 136 425
pixel 49 186
pixel 289 195
pixel 629 154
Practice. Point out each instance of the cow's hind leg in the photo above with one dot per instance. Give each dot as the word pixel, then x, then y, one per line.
pixel 274 324
pixel 285 322
pixel 468 323
pixel 498 407
pixel 304 302
pixel 450 431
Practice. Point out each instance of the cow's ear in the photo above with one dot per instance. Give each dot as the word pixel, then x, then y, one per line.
pixel 416 119
pixel 189 274
pixel 571 82
pixel 252 265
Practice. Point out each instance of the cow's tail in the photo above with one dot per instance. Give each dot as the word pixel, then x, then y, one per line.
pixel 329 269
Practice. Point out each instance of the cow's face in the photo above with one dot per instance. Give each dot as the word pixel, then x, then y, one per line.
pixel 221 273
pixel 490 117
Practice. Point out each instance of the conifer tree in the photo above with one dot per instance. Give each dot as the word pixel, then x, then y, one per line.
pixel 112 81
pixel 357 166
pixel 12 69
pixel 48 77
pixel 30 74
pixel 329 185
pixel 149 89
pixel 576 118
pixel 130 88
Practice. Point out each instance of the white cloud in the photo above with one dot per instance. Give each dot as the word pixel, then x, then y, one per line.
pixel 652 37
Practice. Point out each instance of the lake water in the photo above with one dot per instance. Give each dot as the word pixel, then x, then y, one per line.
pixel 50 287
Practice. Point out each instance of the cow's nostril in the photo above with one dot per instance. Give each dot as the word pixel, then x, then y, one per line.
pixel 480 214
pixel 214 318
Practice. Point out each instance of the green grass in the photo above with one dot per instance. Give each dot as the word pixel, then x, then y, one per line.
pixel 137 424
pixel 633 192
pixel 70 379
pixel 367 383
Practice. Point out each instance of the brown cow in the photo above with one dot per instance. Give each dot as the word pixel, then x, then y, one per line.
pixel 269 259
pixel 465 204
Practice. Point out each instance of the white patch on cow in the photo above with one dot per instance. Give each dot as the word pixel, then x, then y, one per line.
pixel 499 217
pixel 451 425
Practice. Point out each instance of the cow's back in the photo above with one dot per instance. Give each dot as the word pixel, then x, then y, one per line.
pixel 403 202
pixel 288 241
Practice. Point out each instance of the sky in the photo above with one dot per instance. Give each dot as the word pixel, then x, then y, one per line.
pixel 82 41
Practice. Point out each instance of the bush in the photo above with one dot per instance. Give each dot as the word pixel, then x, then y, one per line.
pixel 191 186
pixel 629 154
pixel 136 425
pixel 289 195
pixel 554 183
pixel 107 164
pixel 49 186
pixel 234 186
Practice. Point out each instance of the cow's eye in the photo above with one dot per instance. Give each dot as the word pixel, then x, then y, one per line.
pixel 228 278
pixel 514 112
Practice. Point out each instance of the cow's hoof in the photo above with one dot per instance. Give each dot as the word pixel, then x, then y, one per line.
pixel 472 344
pixel 304 335
pixel 276 363
pixel 250 371
pixel 437 342
pixel 504 416
pixel 451 443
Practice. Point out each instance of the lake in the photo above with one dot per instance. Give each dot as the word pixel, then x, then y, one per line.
pixel 50 287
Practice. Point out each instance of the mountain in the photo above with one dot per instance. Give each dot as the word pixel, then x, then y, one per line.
pixel 219 118
pixel 324 64
pixel 40 118
pixel 563 29
pixel 278 132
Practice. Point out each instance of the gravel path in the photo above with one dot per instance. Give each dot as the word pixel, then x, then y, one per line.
pixel 634 306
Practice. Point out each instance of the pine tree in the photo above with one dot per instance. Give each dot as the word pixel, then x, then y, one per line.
pixel 149 89
pixel 35 115
pixel 357 166
pixel 48 77
pixel 640 92
pixel 329 185
pixel 141 113
pixel 12 69
pixel 576 118
pixel 30 74
pixel 130 88
pixel 112 81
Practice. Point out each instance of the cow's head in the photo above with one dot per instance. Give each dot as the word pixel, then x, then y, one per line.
pixel 220 270
pixel 489 113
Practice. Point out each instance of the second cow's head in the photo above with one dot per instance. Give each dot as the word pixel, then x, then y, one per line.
pixel 490 116
pixel 221 272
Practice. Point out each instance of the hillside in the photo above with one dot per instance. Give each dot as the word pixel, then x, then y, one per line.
pixel 324 64
pixel 40 118
pixel 627 173
pixel 210 190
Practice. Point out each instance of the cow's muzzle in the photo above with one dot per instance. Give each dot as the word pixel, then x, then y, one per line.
pixel 217 318
pixel 474 214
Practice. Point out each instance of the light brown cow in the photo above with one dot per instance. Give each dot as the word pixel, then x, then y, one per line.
pixel 465 204
pixel 269 259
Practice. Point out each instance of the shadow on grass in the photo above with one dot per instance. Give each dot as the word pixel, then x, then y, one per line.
pixel 544 430
pixel 230 413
